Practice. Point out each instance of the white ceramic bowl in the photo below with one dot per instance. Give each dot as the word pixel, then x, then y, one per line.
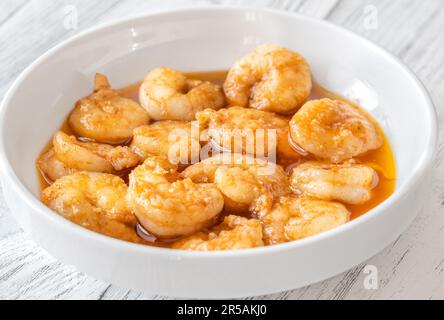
pixel 207 39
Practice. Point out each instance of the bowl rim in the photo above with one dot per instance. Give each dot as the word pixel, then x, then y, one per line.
pixel 33 202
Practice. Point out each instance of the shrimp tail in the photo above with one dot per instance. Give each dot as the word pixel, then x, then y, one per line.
pixel 101 82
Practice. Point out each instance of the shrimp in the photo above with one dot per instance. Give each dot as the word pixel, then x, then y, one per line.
pixel 269 79
pixel 168 207
pixel 52 168
pixel 94 157
pixel 95 201
pixel 349 183
pixel 334 130
pixel 241 179
pixel 233 234
pixel 105 116
pixel 167 139
pixel 167 94
pixel 250 131
pixel 292 218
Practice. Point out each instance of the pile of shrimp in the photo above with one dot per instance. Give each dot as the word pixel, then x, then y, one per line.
pixel 114 173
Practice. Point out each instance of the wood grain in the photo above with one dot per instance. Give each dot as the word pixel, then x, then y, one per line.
pixel 412 267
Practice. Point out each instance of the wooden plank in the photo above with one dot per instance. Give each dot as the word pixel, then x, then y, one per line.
pixel 10 9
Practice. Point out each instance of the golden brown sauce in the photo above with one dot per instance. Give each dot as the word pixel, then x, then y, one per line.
pixel 382 159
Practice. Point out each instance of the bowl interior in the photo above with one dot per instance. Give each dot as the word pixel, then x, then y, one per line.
pixel 212 40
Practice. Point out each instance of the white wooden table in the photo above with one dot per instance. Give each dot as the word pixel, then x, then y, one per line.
pixel 412 267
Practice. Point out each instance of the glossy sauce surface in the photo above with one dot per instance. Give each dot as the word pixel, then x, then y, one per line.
pixel 382 159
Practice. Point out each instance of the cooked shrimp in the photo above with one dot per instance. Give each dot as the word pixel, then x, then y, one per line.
pixel 250 131
pixel 94 157
pixel 349 183
pixel 52 168
pixel 233 234
pixel 167 139
pixel 241 179
pixel 334 130
pixel 168 207
pixel 105 116
pixel 293 218
pixel 168 95
pixel 270 79
pixel 95 201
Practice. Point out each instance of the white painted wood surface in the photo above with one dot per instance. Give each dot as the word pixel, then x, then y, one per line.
pixel 412 267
